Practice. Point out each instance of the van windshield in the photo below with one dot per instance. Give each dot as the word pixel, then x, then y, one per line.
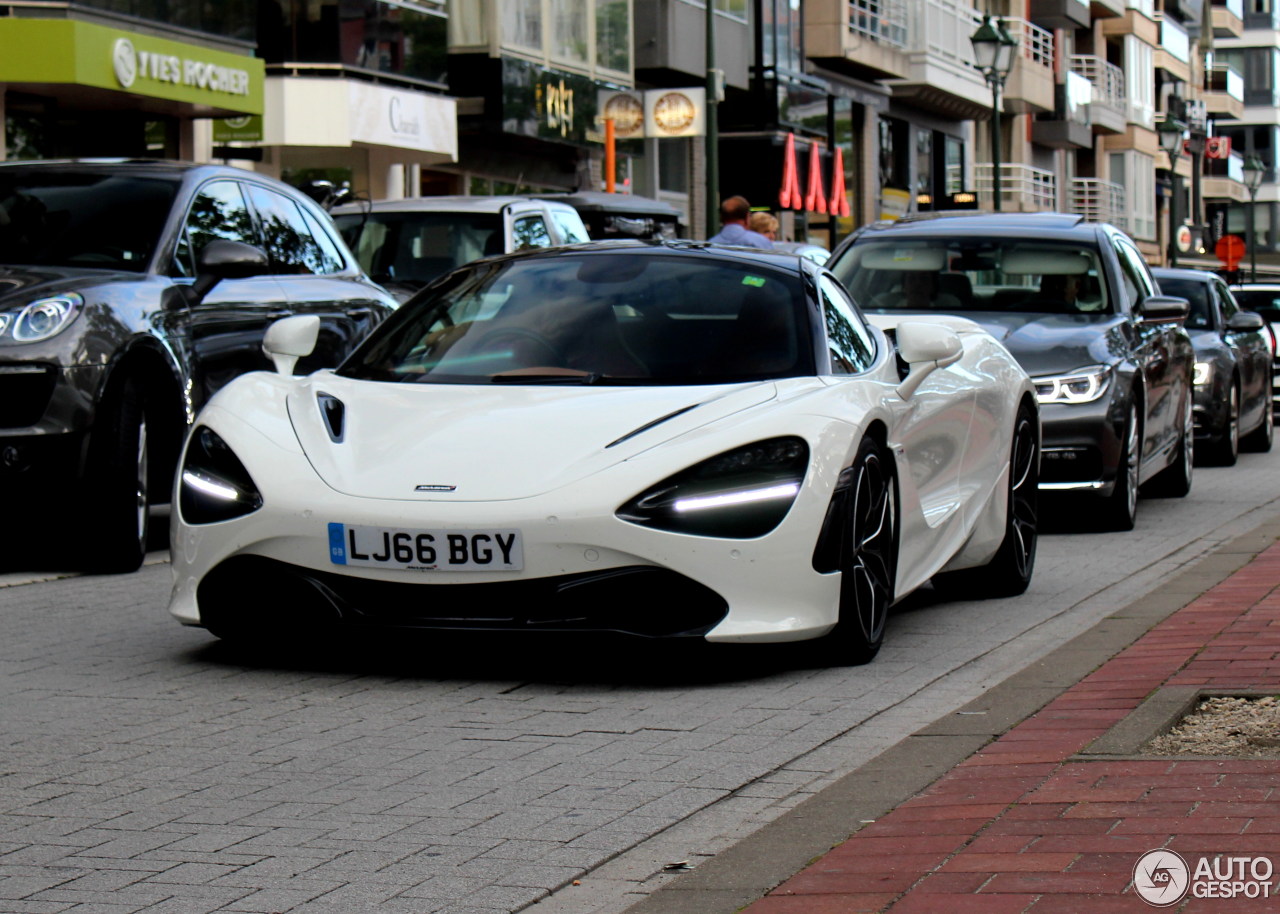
pixel 415 248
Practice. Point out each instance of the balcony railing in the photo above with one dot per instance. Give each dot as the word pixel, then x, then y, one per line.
pixel 941 28
pixel 1023 188
pixel 1107 80
pixel 881 21
pixel 1098 201
pixel 1035 43
pixel 1174 39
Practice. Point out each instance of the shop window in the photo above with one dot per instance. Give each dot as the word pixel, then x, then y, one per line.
pixel 569 30
pixel 522 24
pixel 782 33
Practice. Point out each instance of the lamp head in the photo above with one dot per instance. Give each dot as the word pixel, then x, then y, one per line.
pixel 1254 171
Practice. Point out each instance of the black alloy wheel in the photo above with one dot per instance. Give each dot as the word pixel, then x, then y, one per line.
pixel 1009 571
pixel 117 481
pixel 1120 510
pixel 869 558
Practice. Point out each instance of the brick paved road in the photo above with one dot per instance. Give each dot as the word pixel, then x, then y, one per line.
pixel 147 768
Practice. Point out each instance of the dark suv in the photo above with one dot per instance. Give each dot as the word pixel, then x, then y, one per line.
pixel 129 292
pixel 1076 305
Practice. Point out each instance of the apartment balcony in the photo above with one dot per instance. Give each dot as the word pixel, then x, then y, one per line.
pixel 1098 201
pixel 1228 18
pixel 1173 52
pixel 1223 179
pixel 864 38
pixel 1023 188
pixel 1069 128
pixel 1223 92
pixel 1139 22
pixel 1108 106
pixel 1029 87
pixel 1060 14
pixel 940 73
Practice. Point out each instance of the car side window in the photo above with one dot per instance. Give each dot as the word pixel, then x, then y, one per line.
pixel 531 232
pixel 1229 306
pixel 850 344
pixel 219 212
pixel 288 239
pixel 1133 270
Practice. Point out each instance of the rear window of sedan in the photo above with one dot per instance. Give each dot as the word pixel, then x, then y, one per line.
pixel 634 318
pixel 959 275
pixel 60 218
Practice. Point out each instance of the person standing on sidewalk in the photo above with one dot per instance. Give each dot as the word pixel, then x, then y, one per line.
pixel 734 213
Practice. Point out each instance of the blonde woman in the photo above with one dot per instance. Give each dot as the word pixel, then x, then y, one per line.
pixel 765 224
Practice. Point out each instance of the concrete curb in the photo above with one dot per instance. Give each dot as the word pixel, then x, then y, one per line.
pixel 746 871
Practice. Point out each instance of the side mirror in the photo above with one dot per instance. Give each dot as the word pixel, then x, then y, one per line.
pixel 290 339
pixel 1245 322
pixel 223 259
pixel 1159 309
pixel 925 347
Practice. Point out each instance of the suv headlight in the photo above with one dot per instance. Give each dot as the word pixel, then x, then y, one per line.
pixel 1083 386
pixel 740 494
pixel 215 486
pixel 41 319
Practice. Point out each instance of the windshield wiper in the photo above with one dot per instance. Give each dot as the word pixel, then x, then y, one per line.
pixel 568 377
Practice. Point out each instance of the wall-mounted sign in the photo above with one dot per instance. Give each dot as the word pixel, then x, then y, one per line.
pixel 71 52
pixel 550 104
pixel 655 112
pixel 244 129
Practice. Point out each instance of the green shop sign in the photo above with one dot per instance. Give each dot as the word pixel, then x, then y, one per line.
pixel 61 51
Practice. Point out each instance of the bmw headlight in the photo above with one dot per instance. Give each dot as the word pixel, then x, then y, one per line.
pixel 1083 386
pixel 740 494
pixel 1203 374
pixel 41 319
pixel 215 485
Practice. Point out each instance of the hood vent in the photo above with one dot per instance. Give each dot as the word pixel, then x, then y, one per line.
pixel 649 425
pixel 334 412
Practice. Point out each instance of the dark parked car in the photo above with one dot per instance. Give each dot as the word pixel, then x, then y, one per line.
pixel 1233 367
pixel 1264 298
pixel 1077 305
pixel 129 293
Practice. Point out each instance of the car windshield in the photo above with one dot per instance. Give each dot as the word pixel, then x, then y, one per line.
pixel 1257 299
pixel 633 317
pixel 62 218
pixel 1197 294
pixel 415 248
pixel 959 275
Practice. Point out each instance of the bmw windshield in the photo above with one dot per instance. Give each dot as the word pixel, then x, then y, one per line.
pixel 64 218
pixel 590 318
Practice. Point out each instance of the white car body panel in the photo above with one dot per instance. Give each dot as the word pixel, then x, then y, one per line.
pixel 536 459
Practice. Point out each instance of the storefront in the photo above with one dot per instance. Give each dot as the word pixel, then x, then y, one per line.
pixel 76 88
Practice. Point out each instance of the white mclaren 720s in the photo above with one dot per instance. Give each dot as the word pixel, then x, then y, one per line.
pixel 659 439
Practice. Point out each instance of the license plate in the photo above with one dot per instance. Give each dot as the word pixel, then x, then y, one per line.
pixel 426 550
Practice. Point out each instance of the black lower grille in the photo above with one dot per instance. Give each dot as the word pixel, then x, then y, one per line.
pixel 1076 464
pixel 245 593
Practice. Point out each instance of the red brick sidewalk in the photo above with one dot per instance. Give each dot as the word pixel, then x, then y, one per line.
pixel 1020 826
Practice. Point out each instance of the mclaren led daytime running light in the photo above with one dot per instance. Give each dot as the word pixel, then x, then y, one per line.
pixel 728 499
pixel 209 487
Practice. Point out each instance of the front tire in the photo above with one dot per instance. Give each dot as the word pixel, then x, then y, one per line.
pixel 1260 439
pixel 1224 451
pixel 1009 572
pixel 118 487
pixel 1120 510
pixel 869 558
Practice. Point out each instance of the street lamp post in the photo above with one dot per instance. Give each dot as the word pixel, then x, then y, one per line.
pixel 993 48
pixel 1171 138
pixel 1254 171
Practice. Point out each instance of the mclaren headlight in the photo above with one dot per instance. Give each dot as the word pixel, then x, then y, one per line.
pixel 40 319
pixel 1083 386
pixel 740 494
pixel 215 486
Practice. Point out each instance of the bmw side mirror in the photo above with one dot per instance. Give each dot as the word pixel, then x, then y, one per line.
pixel 290 339
pixel 1245 322
pixel 224 259
pixel 925 347
pixel 1158 309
